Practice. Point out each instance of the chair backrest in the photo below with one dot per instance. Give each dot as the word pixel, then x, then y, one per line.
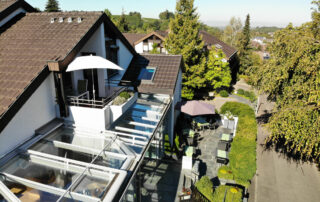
pixel 82 86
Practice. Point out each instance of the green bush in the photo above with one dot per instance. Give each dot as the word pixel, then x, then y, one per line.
pixel 233 194
pixel 242 156
pixel 205 186
pixel 125 95
pixel 247 94
pixel 225 172
pixel 119 100
pixel 224 93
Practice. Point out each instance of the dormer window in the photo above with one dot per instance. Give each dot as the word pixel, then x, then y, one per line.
pixel 79 20
pixel 147 74
pixel 52 20
pixel 60 19
pixel 69 19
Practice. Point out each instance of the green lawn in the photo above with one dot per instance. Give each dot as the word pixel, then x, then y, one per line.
pixel 229 193
pixel 242 156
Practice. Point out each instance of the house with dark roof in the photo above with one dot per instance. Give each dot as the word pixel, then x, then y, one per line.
pixel 143 43
pixel 78 135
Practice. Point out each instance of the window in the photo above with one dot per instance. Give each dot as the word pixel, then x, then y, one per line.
pixel 147 74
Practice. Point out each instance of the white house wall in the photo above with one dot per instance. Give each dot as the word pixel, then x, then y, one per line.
pixel 37 111
pixel 95 44
pixel 139 47
pixel 12 15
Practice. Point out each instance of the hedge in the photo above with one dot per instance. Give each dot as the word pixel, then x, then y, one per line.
pixel 242 156
pixel 233 194
pixel 205 186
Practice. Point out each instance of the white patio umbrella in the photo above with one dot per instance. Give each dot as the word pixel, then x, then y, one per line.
pixel 91 62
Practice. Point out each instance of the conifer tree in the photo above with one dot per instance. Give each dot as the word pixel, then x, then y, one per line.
pixel 244 52
pixel 52 6
pixel 184 39
pixel 123 24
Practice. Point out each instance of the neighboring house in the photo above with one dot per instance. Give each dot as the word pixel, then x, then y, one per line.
pixel 259 39
pixel 57 145
pixel 143 43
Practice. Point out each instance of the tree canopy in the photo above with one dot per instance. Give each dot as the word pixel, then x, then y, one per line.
pixel 218 73
pixel 232 31
pixel 291 77
pixel 123 24
pixel 52 6
pixel 184 39
pixel 166 15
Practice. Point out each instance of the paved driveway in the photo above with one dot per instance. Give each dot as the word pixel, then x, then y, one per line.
pixel 279 179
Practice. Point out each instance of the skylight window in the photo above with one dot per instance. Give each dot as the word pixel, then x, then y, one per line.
pixel 147 74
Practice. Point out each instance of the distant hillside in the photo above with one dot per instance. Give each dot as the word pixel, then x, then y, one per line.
pixel 138 24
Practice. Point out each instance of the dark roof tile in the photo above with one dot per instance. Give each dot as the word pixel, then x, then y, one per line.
pixel 26 47
pixel 165 77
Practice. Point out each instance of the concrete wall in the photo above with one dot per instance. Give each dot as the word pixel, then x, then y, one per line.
pixel 89 117
pixel 139 47
pixel 12 15
pixel 37 111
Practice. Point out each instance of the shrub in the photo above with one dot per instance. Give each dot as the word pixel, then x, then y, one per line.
pixel 233 194
pixel 125 95
pixel 119 100
pixel 247 94
pixel 225 172
pixel 205 186
pixel 242 156
pixel 224 93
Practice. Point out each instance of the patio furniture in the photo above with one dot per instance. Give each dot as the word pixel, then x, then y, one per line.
pixel 222 156
pixel 201 123
pixel 222 145
pixel 226 137
pixel 188 132
pixel 81 92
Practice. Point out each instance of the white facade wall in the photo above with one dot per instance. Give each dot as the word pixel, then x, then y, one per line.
pixel 37 111
pixel 95 44
pixel 124 60
pixel 12 15
pixel 139 47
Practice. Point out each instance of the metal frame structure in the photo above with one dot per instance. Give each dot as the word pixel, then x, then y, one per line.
pixel 116 178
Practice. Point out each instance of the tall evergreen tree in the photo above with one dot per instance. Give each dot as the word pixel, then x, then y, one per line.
pixel 123 24
pixel 184 39
pixel 52 6
pixel 244 51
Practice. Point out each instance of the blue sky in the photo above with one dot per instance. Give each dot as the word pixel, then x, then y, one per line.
pixel 212 12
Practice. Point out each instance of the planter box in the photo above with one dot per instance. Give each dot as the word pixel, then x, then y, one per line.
pixel 118 110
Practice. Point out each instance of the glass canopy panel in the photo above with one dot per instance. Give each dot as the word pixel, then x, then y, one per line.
pixel 22 166
pixel 55 149
pixel 92 186
pixel 26 193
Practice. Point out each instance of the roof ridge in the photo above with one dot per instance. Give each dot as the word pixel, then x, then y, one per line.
pixel 64 12
pixel 142 54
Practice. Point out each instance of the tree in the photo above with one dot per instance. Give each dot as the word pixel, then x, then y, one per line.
pixel 108 13
pixel 218 73
pixel 291 77
pixel 155 49
pixel 244 50
pixel 316 19
pixel 52 6
pixel 166 15
pixel 123 24
pixel 232 31
pixel 184 39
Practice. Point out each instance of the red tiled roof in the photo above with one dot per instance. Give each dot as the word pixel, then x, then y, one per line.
pixel 26 47
pixel 165 77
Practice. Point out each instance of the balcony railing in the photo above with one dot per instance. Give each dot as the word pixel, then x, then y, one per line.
pixel 83 100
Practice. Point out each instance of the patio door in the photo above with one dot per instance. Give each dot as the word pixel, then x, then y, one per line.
pixel 87 74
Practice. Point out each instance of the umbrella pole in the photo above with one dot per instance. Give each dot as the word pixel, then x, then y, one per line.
pixel 93 91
